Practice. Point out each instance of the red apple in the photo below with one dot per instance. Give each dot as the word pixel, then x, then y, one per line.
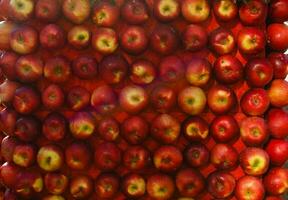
pixel 171 69
pixel 106 185
pixel 195 11
pixel 278 86
pixel 108 129
pixel 24 155
pixel 52 36
pixel 103 99
pixel 24 40
pixel 105 40
pixel 82 125
pixel 160 186
pixel 225 10
pixel 222 40
pixel 224 156
pixel 105 14
pixel 194 37
pixel 50 158
pixel 134 185
pixel 57 69
pixel 253 12
pixel 53 97
pixel 279 62
pixel 195 129
pixel 85 67
pixel 7 63
pixel 167 158
pixel 134 129
pixel 26 100
pixel 7 91
pixel 197 155
pixel 277 36
pixel 47 10
pixel 165 128
pixel 9 173
pixel 254 161
pixel 166 10
pixel 228 69
pixel 78 98
pixel 21 10
pixel 54 127
pixel 81 186
pixel 258 72
pixel 277 150
pixel 136 158
pixel 55 183
pixel 8 145
pixel 255 102
pixel 142 72
pixel 8 118
pixel 278 11
pixel 163 98
pixel 135 11
pixel 277 123
pixel 76 11
pixel 79 37
pixel 77 156
pixel 276 181
pixel 29 183
pixel 6 28
pixel 27 128
pixel 224 128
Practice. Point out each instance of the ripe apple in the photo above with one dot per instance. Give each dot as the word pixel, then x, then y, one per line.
pixel 277 35
pixel 142 72
pixel 228 69
pixel 189 182
pixel 225 10
pixel 224 128
pixel 195 11
pixel 47 10
pixel 192 100
pixel 163 98
pixel 278 11
pixel 105 40
pixel 167 158
pixel 24 40
pixel 81 186
pixel 6 28
pixel 26 100
pixel 136 158
pixel 251 40
pixel 76 11
pixel 50 158
pixel 166 10
pixel 7 63
pixel 221 184
pixel 275 181
pixel 54 126
pixel 160 186
pixel 21 10
pixel 221 99
pixel 165 128
pixel 249 187
pixel 82 125
pixel 27 128
pixel 134 185
pixel 108 129
pixel 106 185
pixel 29 183
pixel 255 102
pixel 134 129
pixel 77 156
pixel 197 155
pixel 224 156
pixel 8 118
pixel 278 86
pixel 24 155
pixel 277 123
pixel 85 67
pixel 53 97
pixel 133 98
pixel 105 14
pixel 222 41
pixel 277 150
pixel 78 98
pixel 9 173
pixel 195 129
pixel 279 62
pixel 253 12
pixel 135 11
pixel 57 69
pixel 8 145
pixel 171 69
pixel 79 36
pixel 258 72
pixel 52 36
pixel 103 99
pixel 7 91
pixel 194 37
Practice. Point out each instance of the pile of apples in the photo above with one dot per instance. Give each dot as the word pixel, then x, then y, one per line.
pixel 149 100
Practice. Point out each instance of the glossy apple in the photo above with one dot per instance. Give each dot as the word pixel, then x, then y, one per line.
pixel 26 100
pixel 194 37
pixel 9 173
pixel 54 126
pixel 277 123
pixel 8 145
pixel 275 181
pixel 53 97
pixel 278 11
pixel 136 158
pixel 57 69
pixel 253 12
pixel 50 158
pixel 249 187
pixel 6 28
pixel 79 36
pixel 278 86
pixel 7 64
pixel 108 129
pixel 55 183
pixel 166 10
pixel 135 11
pixel 27 128
pixel 277 150
pixel 105 40
pixel 52 36
pixel 47 10
pixel 160 186
pixel 222 41
pixel 81 186
pixel 21 10
pixel 171 69
pixel 85 67
pixel 279 62
pixel 7 90
pixel 103 99
pixel 82 125
pixel 134 185
pixel 77 156
pixel 107 185
pixel 197 155
pixel 78 98
pixel 195 129
pixel 76 11
pixel 105 14
pixel 195 11
pixel 225 10
pixel 224 156
pixel 142 72
pixel 8 118
pixel 277 35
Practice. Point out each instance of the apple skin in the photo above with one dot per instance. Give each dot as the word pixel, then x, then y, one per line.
pixel 104 99
pixel 85 67
pixel 278 11
pixel 136 158
pixel 113 69
pixel 77 156
pixel 171 69
pixel 134 129
pixel 166 11
pixel 6 28
pixel 253 12
pixel 160 186
pixel 9 173
pixel 258 72
pixel 7 64
pixel 135 11
pixel 224 10
pixel 195 129
pixel 133 99
pixel 24 40
pixel 163 98
pixel 228 69
pixel 165 128
pixel 164 39
pixel 26 100
pixel 167 158
pixel 189 182
pixel 53 97
pixel 52 36
pixel 195 11
pixel 221 99
pixel 8 145
pixel 224 128
pixel 251 40
pixel 54 126
pixel 142 72
pixel 107 156
pixel 221 184
pixel 194 37
pixel 255 102
pixel 50 158
pixel 8 118
pixel 222 41
pixel 76 11
pixel 277 150
pixel 279 62
pixel 7 90
pixel 278 86
pixel 24 155
pixel 198 72
pixel 106 185
pixel 57 69
pixel 249 187
pixel 78 98
pixel 47 10
pixel 192 100
pixel 82 125
pixel 79 37
pixel 105 40
pixel 277 35
pixel 56 183
pixel 277 123
pixel 21 11
pixel 133 185
pixel 224 156
pixel 27 128
pixel 109 129
pixel 275 181
pixel 81 187
pixel 105 14
pixel 197 155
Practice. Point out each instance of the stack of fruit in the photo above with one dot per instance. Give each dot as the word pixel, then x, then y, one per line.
pixel 150 100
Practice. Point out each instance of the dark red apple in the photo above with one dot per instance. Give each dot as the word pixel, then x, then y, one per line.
pixel 50 158
pixel 79 37
pixel 222 40
pixel 224 156
pixel 108 129
pixel 277 150
pixel 225 10
pixel 278 11
pixel 7 64
pixel 163 98
pixel 107 185
pixel 8 145
pixel 26 100
pixel 171 69
pixel 56 183
pixel 85 67
pixel 277 123
pixel 47 10
pixel 77 156
pixel 279 62
pixel 160 186
pixel 195 11
pixel 278 86
pixel 142 72
pixel 29 184
pixel 136 158
pixel 253 12
pixel 8 118
pixel 277 35
pixel 103 99
pixel 135 11
pixel 53 97
pixel 52 36
pixel 54 126
pixel 275 181
pixel 105 40
pixel 105 14
pixel 194 37
pixel 9 173
pixel 24 155
pixel 134 185
pixel 166 10
pixel 78 98
pixel 195 129
pixel 197 155
pixel 57 69
pixel 7 91
pixel 81 186
pixel 249 187
pixel 21 10
pixel 76 11
pixel 27 128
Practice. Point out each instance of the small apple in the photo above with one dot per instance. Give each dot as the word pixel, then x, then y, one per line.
pixel 225 10
pixel 278 86
pixel 108 129
pixel 78 98
pixel 195 129
pixel 106 185
pixel 224 156
pixel 7 64
pixel 135 11
pixel 171 69
pixel 194 37
pixel 160 186
pixel 222 41
pixel 249 187
pixel 77 156
pixel 277 35
pixel 134 185
pixel 24 155
pixel 8 118
pixel 47 10
pixel 136 158
pixel 79 37
pixel 50 158
pixel 7 91
pixel 26 100
pixel 76 11
pixel 8 144
pixel 21 10
pixel 279 62
pixel 197 155
pixel 54 126
pixel 277 150
pixel 85 67
pixel 253 12
pixel 277 123
pixel 166 10
pixel 9 173
pixel 275 181
pixel 52 36
pixel 27 128
pixel 105 14
pixel 57 69
pixel 163 98
pixel 278 11
pixel 142 72
pixel 82 125
pixel 81 186
pixel 103 99
pixel 195 11
pixel 53 97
